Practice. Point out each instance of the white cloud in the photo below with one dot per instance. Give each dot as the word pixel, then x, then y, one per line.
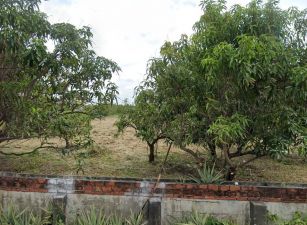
pixel 132 31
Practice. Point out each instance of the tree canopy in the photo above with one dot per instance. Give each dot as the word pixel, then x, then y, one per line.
pixel 237 84
pixel 48 74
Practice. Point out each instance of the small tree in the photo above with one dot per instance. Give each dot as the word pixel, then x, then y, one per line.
pixel 146 119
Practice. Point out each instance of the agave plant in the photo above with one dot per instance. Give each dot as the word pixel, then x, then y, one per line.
pixel 115 220
pixel 11 216
pixel 196 218
pixel 92 217
pixel 28 218
pixel 136 219
pixel 193 219
pixel 208 175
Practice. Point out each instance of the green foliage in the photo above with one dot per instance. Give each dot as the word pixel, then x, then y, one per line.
pixel 45 91
pixel 92 217
pixel 136 219
pixel 196 218
pixel 238 83
pixel 118 109
pixel 297 219
pixel 115 220
pixel 208 175
pixel 228 130
pixel 302 150
pixel 12 216
pixel 145 118
pixel 73 127
pixel 98 217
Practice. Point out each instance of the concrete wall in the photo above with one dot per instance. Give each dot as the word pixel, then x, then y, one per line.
pixel 119 205
pixel 237 211
pixel 22 200
pixel 285 210
pixel 244 204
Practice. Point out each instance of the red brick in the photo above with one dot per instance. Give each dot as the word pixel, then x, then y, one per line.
pixel 41 180
pixel 213 187
pixel 203 186
pixel 234 188
pixel 224 188
pixel 242 198
pixel 171 190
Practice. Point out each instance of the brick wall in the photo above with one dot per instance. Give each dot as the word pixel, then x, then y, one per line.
pixel 165 189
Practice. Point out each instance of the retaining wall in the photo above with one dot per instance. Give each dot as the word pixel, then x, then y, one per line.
pixel 245 203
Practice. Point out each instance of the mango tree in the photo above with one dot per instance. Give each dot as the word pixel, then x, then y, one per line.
pixel 146 119
pixel 48 74
pixel 238 84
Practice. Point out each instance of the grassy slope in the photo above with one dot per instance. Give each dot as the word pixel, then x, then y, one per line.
pixel 126 156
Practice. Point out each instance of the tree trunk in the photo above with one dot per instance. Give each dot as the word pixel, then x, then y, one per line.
pixel 212 150
pixel 230 167
pixel 67 143
pixel 151 152
pixel 230 173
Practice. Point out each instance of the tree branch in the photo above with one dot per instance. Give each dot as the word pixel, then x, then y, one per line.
pixel 3 139
pixel 250 160
pixel 239 153
pixel 226 155
pixel 191 152
pixel 27 153
pixel 132 126
pixel 74 112
pixel 159 137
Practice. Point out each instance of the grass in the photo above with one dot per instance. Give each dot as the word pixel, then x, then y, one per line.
pixel 127 156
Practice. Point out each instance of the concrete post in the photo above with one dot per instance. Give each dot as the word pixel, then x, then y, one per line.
pixel 258 213
pixel 58 208
pixel 154 211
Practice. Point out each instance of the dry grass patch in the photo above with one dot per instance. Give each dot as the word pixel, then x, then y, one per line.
pixel 127 156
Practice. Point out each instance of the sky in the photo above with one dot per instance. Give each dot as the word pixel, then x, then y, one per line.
pixel 130 32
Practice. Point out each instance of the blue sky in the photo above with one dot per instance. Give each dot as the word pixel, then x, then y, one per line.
pixel 131 32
